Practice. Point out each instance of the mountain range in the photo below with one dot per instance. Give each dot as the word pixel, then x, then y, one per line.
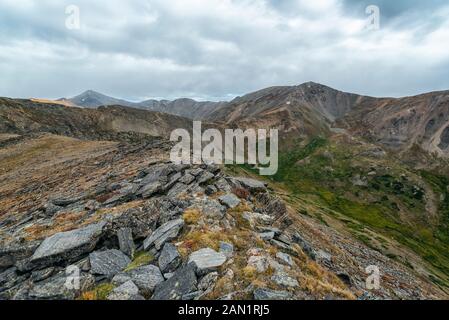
pixel 363 182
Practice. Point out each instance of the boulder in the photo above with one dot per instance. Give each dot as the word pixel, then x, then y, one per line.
pixel 146 278
pixel 169 259
pixel 66 246
pixel 58 288
pixel 285 258
pixel 207 260
pixel 182 282
pixel 229 200
pixel 126 242
pixel 227 249
pixel 267 294
pixel 108 263
pixel 250 184
pixel 267 235
pixel 205 177
pixel 207 283
pixel 127 291
pixel 284 280
pixel 164 233
pixel 187 179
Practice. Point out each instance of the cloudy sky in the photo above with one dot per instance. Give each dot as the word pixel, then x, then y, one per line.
pixel 218 49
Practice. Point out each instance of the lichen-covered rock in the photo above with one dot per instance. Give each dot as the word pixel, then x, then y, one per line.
pixel 207 260
pixel 229 200
pixel 164 233
pixel 126 242
pixel 146 278
pixel 267 294
pixel 66 246
pixel 169 259
pixel 127 291
pixel 182 282
pixel 108 263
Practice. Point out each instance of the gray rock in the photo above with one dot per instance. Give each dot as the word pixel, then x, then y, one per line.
pixel 169 260
pixel 64 202
pixel 210 190
pixel 195 172
pixel 9 279
pixel 108 263
pixel 285 258
pixel 229 200
pixel 187 179
pixel 148 190
pixel 51 209
pixel 205 177
pixel 305 246
pixel 142 220
pixel 324 258
pixel 146 278
pixel 58 288
pixel 40 275
pixel 126 242
pixel 127 291
pixel 266 235
pixel 267 294
pixel 284 280
pixel 182 282
pixel 207 260
pixel 191 296
pixel 223 185
pixel 173 180
pixel 164 233
pixel 210 208
pixel 207 283
pixel 67 246
pixel 227 249
pixel 177 190
pixel 250 184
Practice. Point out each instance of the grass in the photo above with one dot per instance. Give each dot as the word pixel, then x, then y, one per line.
pixel 100 292
pixel 141 258
pixel 393 204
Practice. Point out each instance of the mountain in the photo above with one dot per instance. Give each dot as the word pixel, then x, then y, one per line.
pixel 395 123
pixel 184 107
pixel 93 99
pixel 362 184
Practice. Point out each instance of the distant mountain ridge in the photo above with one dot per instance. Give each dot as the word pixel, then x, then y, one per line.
pixel 183 107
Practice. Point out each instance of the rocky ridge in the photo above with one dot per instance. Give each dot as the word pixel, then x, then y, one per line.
pixel 181 232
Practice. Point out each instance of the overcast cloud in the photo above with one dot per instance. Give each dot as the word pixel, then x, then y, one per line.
pixel 217 49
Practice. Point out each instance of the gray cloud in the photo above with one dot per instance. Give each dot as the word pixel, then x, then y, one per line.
pixel 216 49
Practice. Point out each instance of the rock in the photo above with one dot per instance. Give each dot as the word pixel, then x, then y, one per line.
pixel 177 190
pixel 276 231
pixel 207 283
pixel 168 275
pixel 40 275
pixel 359 181
pixel 285 258
pixel 305 246
pixel 207 260
pixel 182 282
pixel 260 263
pixel 169 259
pixel 229 200
pixel 126 242
pixel 205 177
pixel 58 288
pixel 324 258
pixel 127 291
pixel 108 263
pixel 284 280
pixel 195 172
pixel 12 253
pixel 150 189
pixel 127 193
pixel 210 190
pixel 250 184
pixel 141 220
pixel 345 278
pixel 9 279
pixel 64 202
pixel 146 278
pixel 187 179
pixel 253 218
pixel 267 294
pixel 227 249
pixel 191 296
pixel 164 233
pixel 267 235
pixel 51 209
pixel 223 185
pixel 210 208
pixel 272 205
pixel 67 246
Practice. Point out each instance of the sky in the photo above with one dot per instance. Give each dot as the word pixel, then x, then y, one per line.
pixel 219 49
